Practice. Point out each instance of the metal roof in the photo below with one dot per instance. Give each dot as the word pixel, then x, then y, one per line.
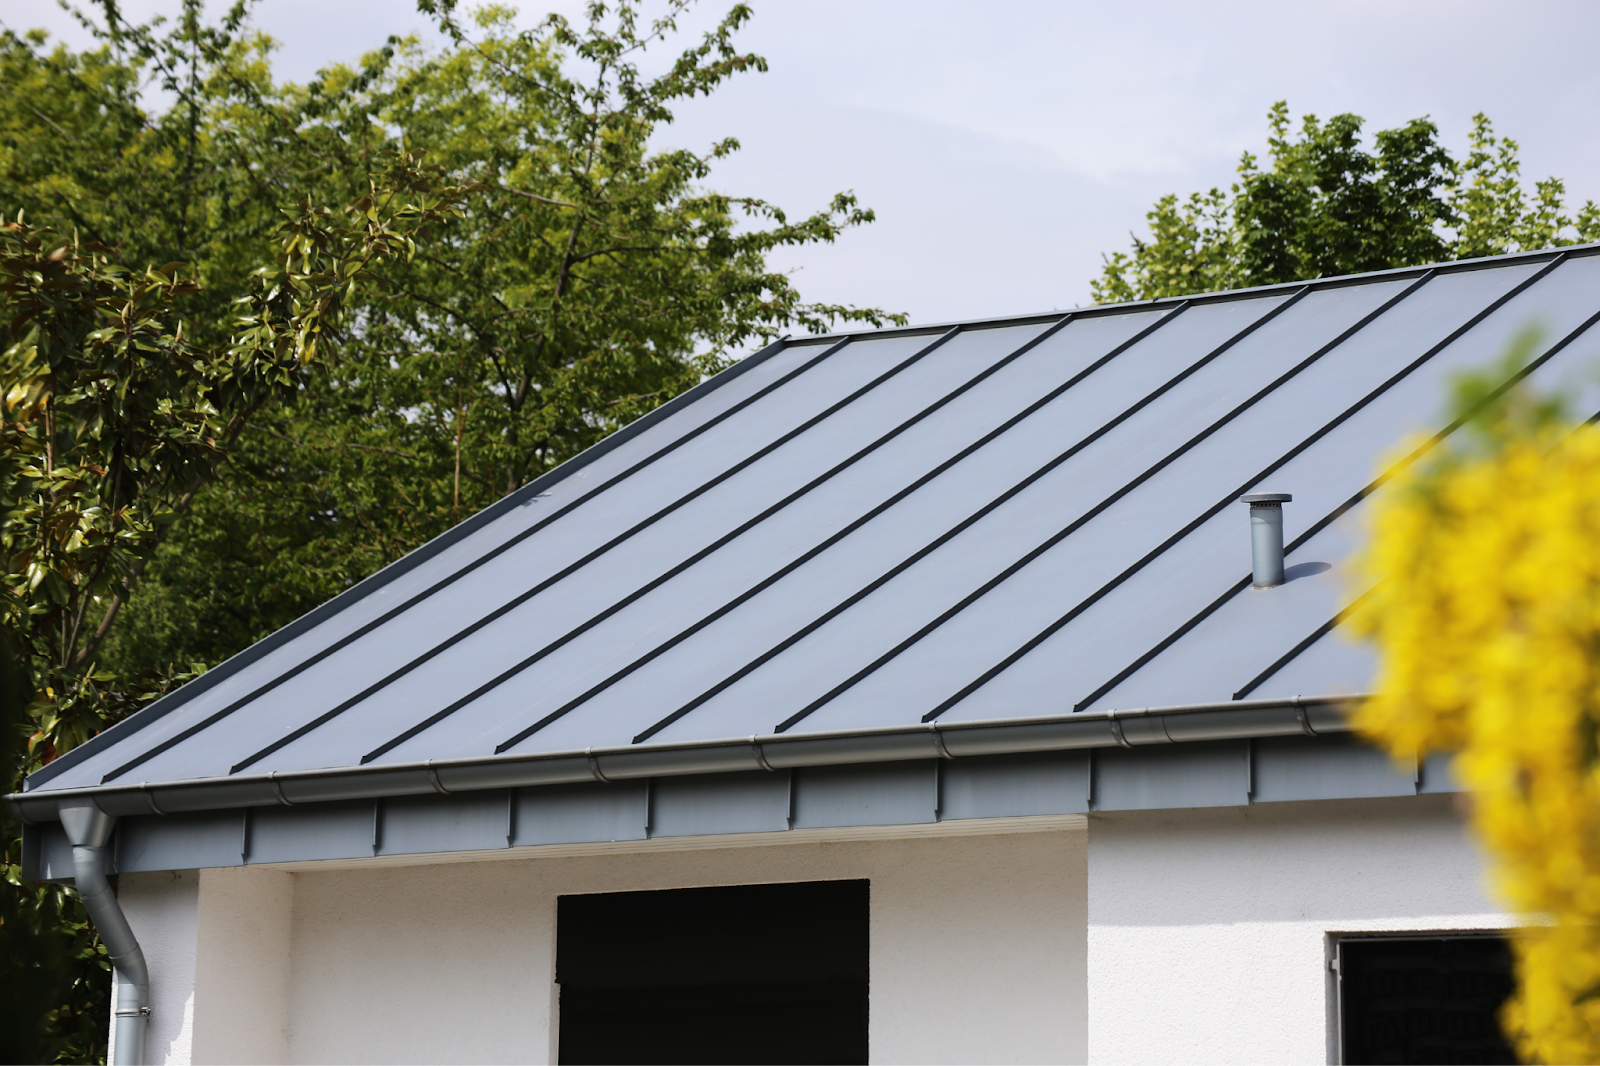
pixel 1012 519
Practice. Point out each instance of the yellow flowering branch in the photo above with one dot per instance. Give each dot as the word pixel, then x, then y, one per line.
pixel 1481 585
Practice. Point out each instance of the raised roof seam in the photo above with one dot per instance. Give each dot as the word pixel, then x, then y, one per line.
pixel 493 553
pixel 835 538
pixel 366 586
pixel 1307 443
pixel 1553 282
pixel 1366 490
pixel 868 517
pixel 574 567
pixel 703 553
pixel 1057 537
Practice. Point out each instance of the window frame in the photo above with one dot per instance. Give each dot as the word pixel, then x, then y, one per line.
pixel 1333 953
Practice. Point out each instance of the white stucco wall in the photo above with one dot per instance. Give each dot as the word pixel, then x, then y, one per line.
pixel 977 949
pixel 162 909
pixel 242 966
pixel 1208 928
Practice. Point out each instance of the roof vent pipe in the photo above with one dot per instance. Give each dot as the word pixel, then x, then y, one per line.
pixel 1266 536
pixel 89 829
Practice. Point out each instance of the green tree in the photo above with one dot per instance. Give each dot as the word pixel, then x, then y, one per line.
pixel 588 278
pixel 114 420
pixel 594 278
pixel 1326 205
pixel 80 153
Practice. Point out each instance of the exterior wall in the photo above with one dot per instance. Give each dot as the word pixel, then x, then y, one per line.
pixel 163 910
pixel 1208 928
pixel 242 966
pixel 978 950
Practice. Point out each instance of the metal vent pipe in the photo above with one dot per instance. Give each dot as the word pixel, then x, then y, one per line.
pixel 1266 537
pixel 88 828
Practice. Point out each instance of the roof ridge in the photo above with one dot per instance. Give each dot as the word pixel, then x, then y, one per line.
pixel 1332 281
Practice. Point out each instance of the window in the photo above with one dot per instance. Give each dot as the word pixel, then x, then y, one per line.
pixel 751 973
pixel 1422 998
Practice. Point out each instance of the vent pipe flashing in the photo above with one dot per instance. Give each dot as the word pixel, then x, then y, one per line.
pixel 1266 537
pixel 89 828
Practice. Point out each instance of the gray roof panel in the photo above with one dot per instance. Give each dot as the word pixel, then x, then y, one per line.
pixel 845 570
pixel 1001 520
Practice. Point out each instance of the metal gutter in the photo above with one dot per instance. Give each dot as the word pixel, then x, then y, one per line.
pixel 1245 719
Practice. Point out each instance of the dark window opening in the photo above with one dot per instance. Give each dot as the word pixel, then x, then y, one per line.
pixel 745 974
pixel 1423 999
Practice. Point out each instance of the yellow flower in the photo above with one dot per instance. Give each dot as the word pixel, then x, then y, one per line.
pixel 1484 570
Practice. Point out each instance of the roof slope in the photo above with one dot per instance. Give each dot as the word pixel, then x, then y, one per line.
pixel 991 521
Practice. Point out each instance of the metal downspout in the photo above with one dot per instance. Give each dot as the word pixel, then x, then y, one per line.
pixel 89 828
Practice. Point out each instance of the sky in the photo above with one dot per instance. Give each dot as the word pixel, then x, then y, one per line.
pixel 1006 145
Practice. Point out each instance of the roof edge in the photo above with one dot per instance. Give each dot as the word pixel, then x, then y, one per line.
pixel 1333 281
pixel 1235 720
pixel 367 585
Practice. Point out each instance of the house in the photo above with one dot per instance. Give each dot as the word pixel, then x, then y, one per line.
pixel 905 696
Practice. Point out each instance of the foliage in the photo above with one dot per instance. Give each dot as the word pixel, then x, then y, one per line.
pixel 1485 608
pixel 1325 205
pixel 595 278
pixel 114 419
pixel 365 390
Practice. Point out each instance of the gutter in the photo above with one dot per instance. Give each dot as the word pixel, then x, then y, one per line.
pixel 1236 720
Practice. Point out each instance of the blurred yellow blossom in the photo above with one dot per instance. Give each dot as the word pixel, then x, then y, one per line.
pixel 1483 566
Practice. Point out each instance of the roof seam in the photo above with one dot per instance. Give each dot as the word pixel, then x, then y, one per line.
pixel 483 531
pixel 481 560
pixel 1373 486
pixel 1061 534
pixel 1318 435
pixel 840 534
pixel 119 731
pixel 1317 634
pixel 668 574
pixel 1239 586
pixel 827 542
pixel 838 537
pixel 580 563
pixel 816 482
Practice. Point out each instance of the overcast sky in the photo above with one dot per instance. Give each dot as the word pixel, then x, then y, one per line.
pixel 1005 146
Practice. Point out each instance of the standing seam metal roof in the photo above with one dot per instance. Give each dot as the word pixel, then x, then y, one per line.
pixel 984 521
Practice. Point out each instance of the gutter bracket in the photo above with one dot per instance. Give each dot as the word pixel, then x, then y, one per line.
pixel 1305 722
pixel 433 779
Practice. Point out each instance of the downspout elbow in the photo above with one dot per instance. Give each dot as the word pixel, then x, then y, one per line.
pixel 89 830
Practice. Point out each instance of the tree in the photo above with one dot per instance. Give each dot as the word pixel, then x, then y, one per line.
pixel 594 278
pixel 1485 610
pixel 1327 206
pixel 114 420
pixel 588 278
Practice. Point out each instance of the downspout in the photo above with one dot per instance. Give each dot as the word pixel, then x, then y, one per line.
pixel 89 828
